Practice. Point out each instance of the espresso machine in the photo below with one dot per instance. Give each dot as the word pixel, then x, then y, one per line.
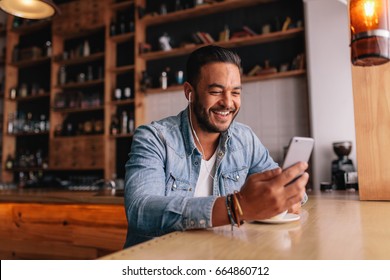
pixel 342 166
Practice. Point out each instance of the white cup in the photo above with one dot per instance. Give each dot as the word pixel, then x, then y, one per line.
pixel 279 216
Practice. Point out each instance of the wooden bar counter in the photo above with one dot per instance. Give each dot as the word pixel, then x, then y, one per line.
pixel 333 226
pixel 60 224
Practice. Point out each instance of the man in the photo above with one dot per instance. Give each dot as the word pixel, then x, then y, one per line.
pixel 201 169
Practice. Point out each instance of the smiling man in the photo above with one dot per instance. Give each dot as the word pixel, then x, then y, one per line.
pixel 201 169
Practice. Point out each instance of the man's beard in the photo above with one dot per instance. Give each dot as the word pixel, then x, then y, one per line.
pixel 203 118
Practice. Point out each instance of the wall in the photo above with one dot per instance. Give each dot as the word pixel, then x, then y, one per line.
pixel 330 81
pixel 276 110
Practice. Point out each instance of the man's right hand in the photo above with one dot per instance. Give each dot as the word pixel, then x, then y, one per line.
pixel 267 194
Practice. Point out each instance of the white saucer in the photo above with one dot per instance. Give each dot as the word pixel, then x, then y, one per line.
pixel 289 217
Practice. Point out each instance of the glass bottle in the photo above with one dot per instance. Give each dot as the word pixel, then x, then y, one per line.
pixel 114 126
pixel 89 73
pixel 86 48
pixel 124 121
pixel 127 92
pixel 11 122
pixel 131 123
pixel 9 163
pixel 113 28
pixel 62 75
pixel 49 49
pixel 164 80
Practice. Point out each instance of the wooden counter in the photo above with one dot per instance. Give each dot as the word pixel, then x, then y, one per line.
pixel 332 226
pixel 41 195
pixel 53 224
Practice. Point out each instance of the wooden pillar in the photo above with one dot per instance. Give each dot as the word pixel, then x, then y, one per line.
pixel 371 91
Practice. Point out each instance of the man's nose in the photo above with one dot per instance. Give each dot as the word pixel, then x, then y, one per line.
pixel 227 100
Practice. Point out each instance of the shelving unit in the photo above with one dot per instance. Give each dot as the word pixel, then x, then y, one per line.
pixel 27 67
pixel 3 35
pixel 120 75
pixel 115 32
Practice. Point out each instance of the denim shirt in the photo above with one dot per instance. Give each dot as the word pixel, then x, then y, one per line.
pixel 163 169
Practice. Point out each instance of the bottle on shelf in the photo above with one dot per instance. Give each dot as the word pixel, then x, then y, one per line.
pixel 114 126
pixel 124 123
pixel 127 93
pixel 146 81
pixel 86 48
pixel 9 163
pixel 89 73
pixel 23 90
pixel 117 94
pixel 62 75
pixel 12 93
pixel 113 28
pixel 122 25
pixel 131 123
pixel 164 80
pixel 48 48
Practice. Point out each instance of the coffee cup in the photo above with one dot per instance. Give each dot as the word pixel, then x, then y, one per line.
pixel 279 216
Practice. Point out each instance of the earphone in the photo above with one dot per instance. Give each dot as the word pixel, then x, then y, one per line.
pixel 195 135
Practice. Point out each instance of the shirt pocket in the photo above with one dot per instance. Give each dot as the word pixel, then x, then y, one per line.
pixel 234 180
pixel 177 186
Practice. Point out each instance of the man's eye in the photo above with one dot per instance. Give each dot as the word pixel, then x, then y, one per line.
pixel 236 93
pixel 215 92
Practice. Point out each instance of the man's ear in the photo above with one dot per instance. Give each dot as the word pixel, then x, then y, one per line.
pixel 188 91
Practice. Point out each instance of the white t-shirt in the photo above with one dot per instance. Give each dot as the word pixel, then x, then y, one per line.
pixel 204 186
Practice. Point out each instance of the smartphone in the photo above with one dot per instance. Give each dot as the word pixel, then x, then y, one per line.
pixel 299 149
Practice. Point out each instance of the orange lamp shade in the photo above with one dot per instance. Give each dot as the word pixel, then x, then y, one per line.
pixel 370 32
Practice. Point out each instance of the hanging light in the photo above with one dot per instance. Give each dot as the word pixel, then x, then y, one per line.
pixel 30 9
pixel 370 32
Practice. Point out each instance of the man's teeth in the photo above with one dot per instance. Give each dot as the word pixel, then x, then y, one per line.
pixel 222 113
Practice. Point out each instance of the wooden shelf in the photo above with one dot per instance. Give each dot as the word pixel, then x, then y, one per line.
pixel 29 28
pixel 121 5
pixel 31 62
pixel 201 10
pixel 28 134
pixel 279 75
pixel 127 135
pixel 81 85
pixel 239 42
pixel 31 97
pixel 122 102
pixel 81 33
pixel 78 110
pixel 79 137
pixel 122 37
pixel 80 60
pixel 26 169
pixel 245 79
pixel 122 69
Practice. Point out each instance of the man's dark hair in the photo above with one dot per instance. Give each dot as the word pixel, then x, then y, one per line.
pixel 209 54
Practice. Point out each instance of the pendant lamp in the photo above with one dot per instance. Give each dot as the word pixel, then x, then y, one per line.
pixel 30 9
pixel 370 32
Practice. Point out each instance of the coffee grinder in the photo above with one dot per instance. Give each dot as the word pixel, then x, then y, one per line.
pixel 342 164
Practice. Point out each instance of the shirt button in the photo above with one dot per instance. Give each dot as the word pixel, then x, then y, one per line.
pixel 220 154
pixel 202 222
pixel 196 163
pixel 237 177
pixel 174 186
